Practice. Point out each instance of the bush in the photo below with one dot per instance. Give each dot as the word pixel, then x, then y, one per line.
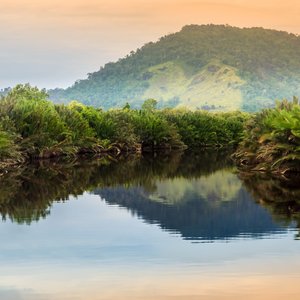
pixel 272 139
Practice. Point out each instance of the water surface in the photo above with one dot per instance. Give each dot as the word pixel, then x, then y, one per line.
pixel 175 227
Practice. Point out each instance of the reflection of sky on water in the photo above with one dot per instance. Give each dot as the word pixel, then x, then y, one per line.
pixel 85 244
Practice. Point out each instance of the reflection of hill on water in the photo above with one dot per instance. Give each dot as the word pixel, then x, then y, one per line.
pixel 196 217
pixel 221 185
pixel 27 194
pixel 195 195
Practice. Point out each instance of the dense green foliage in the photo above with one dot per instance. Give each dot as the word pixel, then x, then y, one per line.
pixel 208 66
pixel 201 128
pixel 31 126
pixel 272 139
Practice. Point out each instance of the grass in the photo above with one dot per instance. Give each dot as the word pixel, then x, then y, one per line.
pixel 215 86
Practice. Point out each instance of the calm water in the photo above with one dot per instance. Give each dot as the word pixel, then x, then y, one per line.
pixel 176 227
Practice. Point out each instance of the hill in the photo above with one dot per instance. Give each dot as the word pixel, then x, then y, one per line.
pixel 213 67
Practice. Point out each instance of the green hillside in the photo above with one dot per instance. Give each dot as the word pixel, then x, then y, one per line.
pixel 213 67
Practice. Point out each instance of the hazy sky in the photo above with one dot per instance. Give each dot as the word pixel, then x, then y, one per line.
pixel 52 43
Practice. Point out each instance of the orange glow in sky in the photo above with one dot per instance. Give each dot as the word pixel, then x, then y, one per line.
pixel 52 42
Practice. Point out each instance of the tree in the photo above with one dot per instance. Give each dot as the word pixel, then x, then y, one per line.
pixel 149 105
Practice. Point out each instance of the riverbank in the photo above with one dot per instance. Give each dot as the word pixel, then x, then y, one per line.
pixel 271 141
pixel 31 127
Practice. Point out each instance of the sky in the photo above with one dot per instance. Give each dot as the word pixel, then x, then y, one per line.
pixel 52 43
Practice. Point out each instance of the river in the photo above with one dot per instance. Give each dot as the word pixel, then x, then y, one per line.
pixel 182 226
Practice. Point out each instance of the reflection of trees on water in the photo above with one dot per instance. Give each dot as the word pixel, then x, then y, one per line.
pixel 281 196
pixel 27 194
pixel 196 195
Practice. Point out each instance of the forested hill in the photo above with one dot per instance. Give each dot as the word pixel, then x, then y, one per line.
pixel 214 67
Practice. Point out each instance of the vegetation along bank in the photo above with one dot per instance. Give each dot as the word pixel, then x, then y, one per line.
pixel 31 127
pixel 271 141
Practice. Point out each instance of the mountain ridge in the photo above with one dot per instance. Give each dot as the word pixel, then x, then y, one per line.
pixel 261 64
